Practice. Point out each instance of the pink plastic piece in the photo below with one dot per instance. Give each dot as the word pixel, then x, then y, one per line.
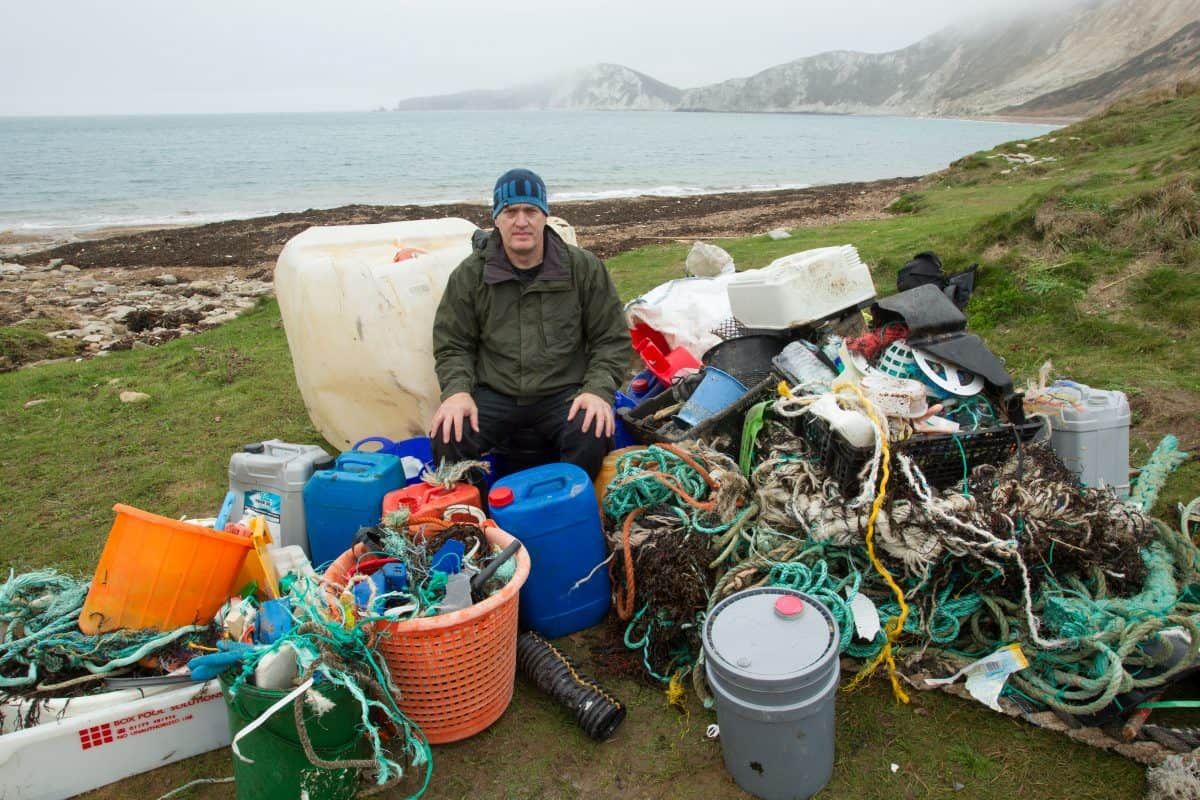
pixel 789 606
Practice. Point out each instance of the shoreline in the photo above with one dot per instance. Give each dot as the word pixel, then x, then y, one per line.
pixel 16 242
pixel 122 289
pixel 605 225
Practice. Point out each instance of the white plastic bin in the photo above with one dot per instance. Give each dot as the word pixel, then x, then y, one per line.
pixel 74 753
pixel 801 288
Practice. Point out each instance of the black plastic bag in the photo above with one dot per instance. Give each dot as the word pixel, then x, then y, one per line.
pixel 926 268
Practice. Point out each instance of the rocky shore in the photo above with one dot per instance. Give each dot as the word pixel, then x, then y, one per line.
pixel 128 290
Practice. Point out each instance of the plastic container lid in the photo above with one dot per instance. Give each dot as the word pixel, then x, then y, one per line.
pixel 257 447
pixel 500 497
pixel 770 638
pixel 639 385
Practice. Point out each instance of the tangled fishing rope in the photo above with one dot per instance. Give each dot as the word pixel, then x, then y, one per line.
pixel 1019 552
pixel 684 511
pixel 40 636
pixel 332 644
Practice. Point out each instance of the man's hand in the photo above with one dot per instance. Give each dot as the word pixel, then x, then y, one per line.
pixel 450 414
pixel 595 411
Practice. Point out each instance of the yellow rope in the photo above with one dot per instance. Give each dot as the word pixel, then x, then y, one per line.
pixel 675 692
pixel 897 624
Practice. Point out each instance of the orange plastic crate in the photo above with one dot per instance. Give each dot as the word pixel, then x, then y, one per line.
pixel 455 672
pixel 160 573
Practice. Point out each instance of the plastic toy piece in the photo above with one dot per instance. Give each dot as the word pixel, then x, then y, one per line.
pixel 666 366
pixel 448 558
pixel 226 510
pixel 258 566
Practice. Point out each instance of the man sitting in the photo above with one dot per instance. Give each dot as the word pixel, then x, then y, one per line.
pixel 530 334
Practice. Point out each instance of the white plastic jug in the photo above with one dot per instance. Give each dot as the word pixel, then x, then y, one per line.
pixel 359 322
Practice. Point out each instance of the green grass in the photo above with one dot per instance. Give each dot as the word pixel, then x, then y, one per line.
pixel 1115 205
pixel 21 344
pixel 83 450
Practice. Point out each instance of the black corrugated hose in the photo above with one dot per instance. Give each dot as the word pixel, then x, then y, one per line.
pixel 596 711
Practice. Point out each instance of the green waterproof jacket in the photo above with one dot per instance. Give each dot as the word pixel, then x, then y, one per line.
pixel 528 339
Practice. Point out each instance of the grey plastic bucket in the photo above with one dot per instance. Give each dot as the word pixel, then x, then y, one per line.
pixel 771 659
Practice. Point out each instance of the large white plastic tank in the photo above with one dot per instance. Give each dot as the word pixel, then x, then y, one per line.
pixel 359 323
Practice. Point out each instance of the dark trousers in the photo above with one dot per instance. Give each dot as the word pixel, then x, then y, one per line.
pixel 500 416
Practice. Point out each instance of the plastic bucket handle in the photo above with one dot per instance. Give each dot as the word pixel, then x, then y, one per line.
pixel 364 466
pixel 556 484
pixel 386 445
pixel 286 448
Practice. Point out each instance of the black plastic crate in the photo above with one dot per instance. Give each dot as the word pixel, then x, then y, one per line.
pixel 939 456
pixel 747 357
pixel 726 425
pixel 841 460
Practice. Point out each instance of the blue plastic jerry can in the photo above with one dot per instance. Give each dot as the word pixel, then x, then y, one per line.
pixel 552 510
pixel 339 501
pixel 642 387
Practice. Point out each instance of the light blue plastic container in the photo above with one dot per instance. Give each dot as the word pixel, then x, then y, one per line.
pixel 339 501
pixel 552 509
pixel 717 391
pixel 413 453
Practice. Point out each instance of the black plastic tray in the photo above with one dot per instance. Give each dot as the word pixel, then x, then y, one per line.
pixel 939 456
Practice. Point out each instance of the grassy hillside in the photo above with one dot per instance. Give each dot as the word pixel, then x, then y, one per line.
pixel 1090 256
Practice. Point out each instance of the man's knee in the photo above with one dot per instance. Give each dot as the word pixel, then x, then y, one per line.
pixel 468 448
pixel 584 448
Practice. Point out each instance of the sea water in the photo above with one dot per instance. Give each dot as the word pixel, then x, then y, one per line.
pixel 81 172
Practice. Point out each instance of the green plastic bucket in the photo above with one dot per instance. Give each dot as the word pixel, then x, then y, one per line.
pixel 281 769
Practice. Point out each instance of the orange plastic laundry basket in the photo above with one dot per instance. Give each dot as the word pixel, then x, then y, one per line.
pixel 455 672
pixel 160 573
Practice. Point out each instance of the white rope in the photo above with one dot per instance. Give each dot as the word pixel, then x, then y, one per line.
pixel 197 782
pixel 589 576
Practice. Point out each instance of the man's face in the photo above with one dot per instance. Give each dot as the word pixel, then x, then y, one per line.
pixel 521 227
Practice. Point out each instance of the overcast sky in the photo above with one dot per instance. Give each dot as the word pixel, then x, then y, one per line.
pixel 166 56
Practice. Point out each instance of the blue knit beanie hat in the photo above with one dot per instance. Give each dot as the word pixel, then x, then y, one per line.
pixel 519 186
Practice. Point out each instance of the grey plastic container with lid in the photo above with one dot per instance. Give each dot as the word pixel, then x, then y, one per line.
pixel 1093 441
pixel 771 659
pixel 268 479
